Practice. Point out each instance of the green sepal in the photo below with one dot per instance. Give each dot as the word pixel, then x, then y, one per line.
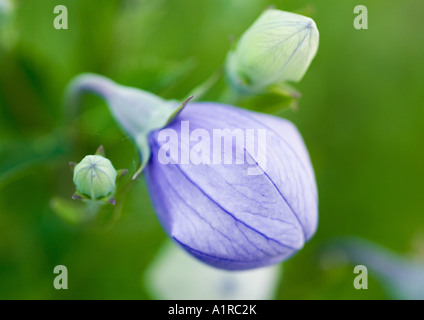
pixel 273 100
pixel 178 110
pixel 120 174
pixel 100 151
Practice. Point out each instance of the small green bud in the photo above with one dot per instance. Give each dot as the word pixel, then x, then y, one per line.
pixel 278 47
pixel 95 177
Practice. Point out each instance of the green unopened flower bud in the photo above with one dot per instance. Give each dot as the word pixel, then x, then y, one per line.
pixel 95 177
pixel 278 47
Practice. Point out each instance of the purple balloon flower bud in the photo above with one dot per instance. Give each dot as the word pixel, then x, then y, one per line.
pixel 234 188
pixel 220 213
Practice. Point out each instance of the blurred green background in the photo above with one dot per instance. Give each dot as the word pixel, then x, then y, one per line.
pixel 361 116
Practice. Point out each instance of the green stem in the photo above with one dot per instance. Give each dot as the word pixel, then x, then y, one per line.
pixel 229 96
pixel 200 91
pixel 92 208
